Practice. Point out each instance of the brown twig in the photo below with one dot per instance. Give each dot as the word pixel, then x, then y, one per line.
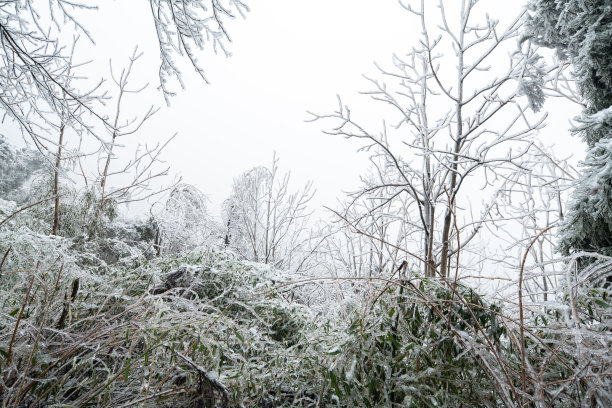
pixel 522 319
pixel 5 256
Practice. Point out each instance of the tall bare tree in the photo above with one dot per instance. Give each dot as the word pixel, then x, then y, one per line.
pixel 457 112
pixel 143 167
pixel 265 220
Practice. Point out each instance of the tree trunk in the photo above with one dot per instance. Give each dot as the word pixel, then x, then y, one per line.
pixel 444 261
pixel 58 160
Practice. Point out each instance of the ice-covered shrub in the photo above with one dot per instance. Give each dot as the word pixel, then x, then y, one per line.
pixel 172 331
pixel 568 339
pixel 420 345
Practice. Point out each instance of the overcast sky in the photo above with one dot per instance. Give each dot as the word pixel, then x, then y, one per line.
pixel 288 57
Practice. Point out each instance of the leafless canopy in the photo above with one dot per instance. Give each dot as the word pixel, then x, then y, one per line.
pixel 449 124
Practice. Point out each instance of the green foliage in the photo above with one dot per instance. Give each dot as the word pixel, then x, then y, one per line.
pixel 80 213
pixel 419 351
pixel 182 330
pixel 104 323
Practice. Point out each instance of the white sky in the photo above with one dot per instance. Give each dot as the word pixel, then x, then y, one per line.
pixel 289 56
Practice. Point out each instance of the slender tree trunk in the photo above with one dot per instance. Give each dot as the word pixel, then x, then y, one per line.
pixel 58 160
pixel 444 261
pixel 105 175
pixel 107 163
pixel 267 248
pixel 430 268
pixel 428 203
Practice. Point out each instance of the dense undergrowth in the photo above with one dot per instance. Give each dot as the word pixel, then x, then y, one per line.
pixel 97 318
pixel 110 325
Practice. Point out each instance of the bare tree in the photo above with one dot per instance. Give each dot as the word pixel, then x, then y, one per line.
pixel 44 96
pixel 383 227
pixel 529 200
pixel 456 113
pixel 143 167
pixel 36 67
pixel 70 120
pixel 265 221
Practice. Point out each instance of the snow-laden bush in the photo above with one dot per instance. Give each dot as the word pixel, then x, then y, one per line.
pixel 433 342
pixel 421 344
pixel 16 166
pixel 183 222
pixel 568 339
pixel 174 331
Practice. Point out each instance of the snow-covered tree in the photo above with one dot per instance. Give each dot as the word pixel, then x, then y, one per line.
pixel 184 222
pixel 265 221
pixel 453 112
pixel 383 229
pixel 581 32
pixel 35 53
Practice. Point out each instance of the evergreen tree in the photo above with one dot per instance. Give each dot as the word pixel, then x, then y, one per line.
pixel 581 31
